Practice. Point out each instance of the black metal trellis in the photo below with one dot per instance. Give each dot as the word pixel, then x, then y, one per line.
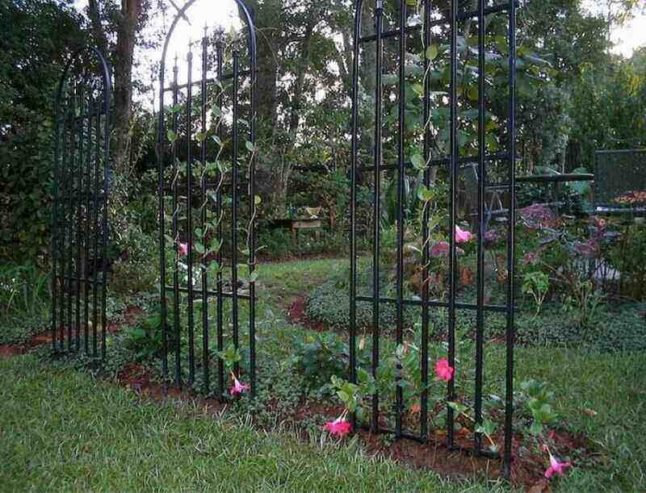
pixel 194 205
pixel 80 205
pixel 448 20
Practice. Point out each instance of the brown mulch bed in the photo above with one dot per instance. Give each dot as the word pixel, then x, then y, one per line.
pixel 296 315
pixel 527 468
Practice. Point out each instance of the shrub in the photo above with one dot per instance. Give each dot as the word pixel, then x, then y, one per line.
pixel 24 301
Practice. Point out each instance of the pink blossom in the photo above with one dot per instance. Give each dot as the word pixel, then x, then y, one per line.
pixel 530 258
pixel 440 249
pixel 491 237
pixel 443 371
pixel 599 222
pixel 462 235
pixel 556 468
pixel 238 388
pixel 182 248
pixel 589 248
pixel 339 427
pixel 538 216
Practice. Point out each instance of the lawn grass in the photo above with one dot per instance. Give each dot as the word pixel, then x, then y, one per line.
pixel 281 282
pixel 61 430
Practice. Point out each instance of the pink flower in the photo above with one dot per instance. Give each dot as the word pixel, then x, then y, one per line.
pixel 556 468
pixel 339 427
pixel 530 258
pixel 182 248
pixel 440 249
pixel 463 236
pixel 443 371
pixel 589 248
pixel 238 387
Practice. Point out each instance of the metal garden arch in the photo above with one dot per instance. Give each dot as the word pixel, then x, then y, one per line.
pixel 203 184
pixel 80 204
pixel 448 20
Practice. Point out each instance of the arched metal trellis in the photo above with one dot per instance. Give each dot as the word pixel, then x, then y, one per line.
pixel 369 167
pixel 80 209
pixel 207 209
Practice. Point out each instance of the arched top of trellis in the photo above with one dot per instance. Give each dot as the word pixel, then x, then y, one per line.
pixel 246 16
pixel 78 62
pixel 79 234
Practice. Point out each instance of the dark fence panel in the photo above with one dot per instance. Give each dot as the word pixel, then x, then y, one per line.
pixel 370 47
pixel 207 210
pixel 80 206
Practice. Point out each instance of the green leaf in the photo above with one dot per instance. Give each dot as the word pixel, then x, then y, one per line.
pixel 418 162
pixel 432 52
pixel 257 200
pixel 250 147
pixel 424 194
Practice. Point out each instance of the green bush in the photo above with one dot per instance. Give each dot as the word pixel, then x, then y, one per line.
pixel 24 301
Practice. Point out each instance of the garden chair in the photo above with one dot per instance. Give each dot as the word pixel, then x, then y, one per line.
pixel 493 203
pixel 620 182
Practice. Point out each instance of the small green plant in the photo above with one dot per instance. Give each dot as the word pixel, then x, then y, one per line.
pixel 536 284
pixel 538 400
pixel 353 396
pixel 145 339
pixel 230 356
pixel 486 428
pixel 583 302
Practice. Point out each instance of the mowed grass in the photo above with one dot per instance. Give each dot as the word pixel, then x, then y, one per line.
pixel 60 430
pixel 281 282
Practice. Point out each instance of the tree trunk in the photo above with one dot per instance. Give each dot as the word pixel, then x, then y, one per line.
pixel 123 60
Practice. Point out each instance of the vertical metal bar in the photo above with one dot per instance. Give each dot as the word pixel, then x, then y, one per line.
pixel 162 226
pixel 95 228
pixel 374 425
pixel 63 222
pixel 56 192
pixel 401 177
pixel 189 216
pixel 104 220
pixel 252 212
pixel 70 213
pixel 95 224
pixel 219 48
pixel 64 208
pixel 453 173
pixel 65 199
pixel 234 208
pixel 511 247
pixel 174 226
pixel 205 305
pixel 425 229
pixel 93 110
pixel 481 225
pixel 77 223
pixel 353 193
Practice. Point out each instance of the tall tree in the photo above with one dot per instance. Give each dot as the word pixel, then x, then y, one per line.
pixel 120 23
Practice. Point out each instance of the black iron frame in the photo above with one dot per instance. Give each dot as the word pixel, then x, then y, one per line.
pixel 451 19
pixel 79 237
pixel 205 295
